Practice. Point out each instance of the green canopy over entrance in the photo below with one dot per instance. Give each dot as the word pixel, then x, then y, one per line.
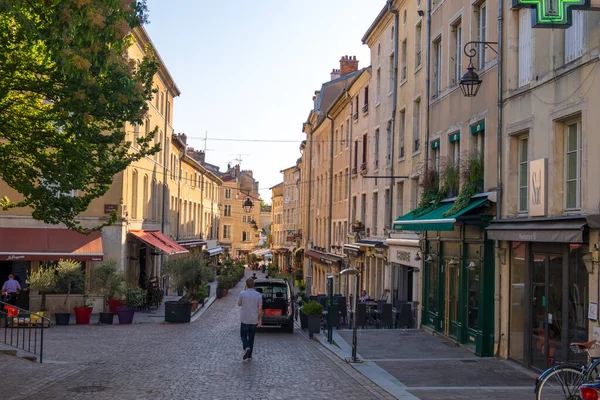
pixel 434 220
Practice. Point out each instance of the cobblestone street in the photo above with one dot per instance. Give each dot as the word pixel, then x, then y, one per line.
pixel 201 360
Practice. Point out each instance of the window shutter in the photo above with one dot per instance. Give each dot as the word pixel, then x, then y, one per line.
pixel 574 36
pixel 525 47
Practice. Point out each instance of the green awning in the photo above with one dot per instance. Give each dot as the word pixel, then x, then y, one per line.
pixel 478 127
pixel 434 219
pixel 455 137
pixel 435 144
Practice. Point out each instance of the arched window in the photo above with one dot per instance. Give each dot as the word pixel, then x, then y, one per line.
pixel 134 194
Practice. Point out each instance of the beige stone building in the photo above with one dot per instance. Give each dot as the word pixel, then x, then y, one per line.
pixel 239 227
pixel 548 232
pixel 277 232
pixel 139 241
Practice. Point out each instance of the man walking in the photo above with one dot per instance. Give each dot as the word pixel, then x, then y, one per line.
pixel 11 288
pixel 250 316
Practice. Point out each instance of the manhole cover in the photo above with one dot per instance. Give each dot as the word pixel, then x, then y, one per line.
pixel 88 389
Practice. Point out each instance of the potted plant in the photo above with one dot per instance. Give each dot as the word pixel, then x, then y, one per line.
pixel 83 314
pixel 190 273
pixel 43 280
pixel 110 283
pixel 134 297
pixel 70 276
pixel 221 286
pixel 313 311
pixel 201 295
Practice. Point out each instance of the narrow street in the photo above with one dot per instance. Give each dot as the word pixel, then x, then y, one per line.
pixel 201 360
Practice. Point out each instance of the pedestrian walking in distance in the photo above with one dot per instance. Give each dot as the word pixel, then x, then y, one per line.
pixel 10 289
pixel 250 316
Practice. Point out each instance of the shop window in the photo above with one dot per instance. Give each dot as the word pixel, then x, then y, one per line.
pixel 578 298
pixel 517 301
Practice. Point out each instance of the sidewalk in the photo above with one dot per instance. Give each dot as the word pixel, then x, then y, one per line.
pixel 413 364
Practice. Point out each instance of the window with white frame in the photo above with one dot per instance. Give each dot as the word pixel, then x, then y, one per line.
pixel 416 125
pixel 401 132
pixel 376 149
pixel 244 218
pixel 574 36
pixel 391 74
pixel 437 78
pixel 388 144
pixel 226 231
pixel 227 193
pixel 523 174
pixel 375 206
pixel 456 52
pixel 418 39
pixel 378 88
pixel 399 199
pixel 573 152
pixel 525 47
pixel 227 210
pixel 403 60
pixel 455 151
pixel 482 32
pixel 348 138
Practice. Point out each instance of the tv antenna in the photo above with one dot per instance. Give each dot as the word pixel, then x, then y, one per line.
pixel 239 157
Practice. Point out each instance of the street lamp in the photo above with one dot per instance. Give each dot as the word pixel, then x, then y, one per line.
pixel 247 205
pixel 354 272
pixel 470 81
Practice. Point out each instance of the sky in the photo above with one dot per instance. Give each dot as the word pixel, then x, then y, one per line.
pixel 247 72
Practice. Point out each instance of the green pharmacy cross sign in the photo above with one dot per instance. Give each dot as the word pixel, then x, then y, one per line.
pixel 552 13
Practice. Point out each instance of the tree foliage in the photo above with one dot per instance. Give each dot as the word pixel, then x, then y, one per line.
pixel 189 273
pixel 67 88
pixel 43 280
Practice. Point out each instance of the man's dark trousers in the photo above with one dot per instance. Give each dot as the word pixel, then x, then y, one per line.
pixel 247 332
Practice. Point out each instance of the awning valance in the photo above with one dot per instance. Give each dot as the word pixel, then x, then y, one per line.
pixel 261 252
pixel 160 242
pixel 352 250
pixel 190 244
pixel 434 220
pixel 47 244
pixel 326 258
pixel 215 251
pixel 371 243
pixel 561 229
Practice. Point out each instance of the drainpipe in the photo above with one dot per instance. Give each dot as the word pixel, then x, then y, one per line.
pixel 427 84
pixel 394 107
pixel 330 183
pixel 308 233
pixel 349 177
pixel 499 166
pixel 178 198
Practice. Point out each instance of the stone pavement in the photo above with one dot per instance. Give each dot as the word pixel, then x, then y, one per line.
pixel 415 364
pixel 201 360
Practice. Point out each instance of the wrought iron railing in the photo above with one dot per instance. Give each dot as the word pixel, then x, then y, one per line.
pixel 23 329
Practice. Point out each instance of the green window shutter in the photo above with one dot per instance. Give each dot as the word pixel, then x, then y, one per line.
pixel 478 127
pixel 455 137
pixel 435 144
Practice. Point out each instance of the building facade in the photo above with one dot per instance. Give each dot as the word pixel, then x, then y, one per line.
pixel 139 194
pixel 239 230
pixel 277 233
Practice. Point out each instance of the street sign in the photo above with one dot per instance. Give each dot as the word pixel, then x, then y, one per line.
pixel 555 14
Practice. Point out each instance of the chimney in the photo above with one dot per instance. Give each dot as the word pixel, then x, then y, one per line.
pixel 248 172
pixel 316 98
pixel 183 137
pixel 348 64
pixel 335 73
pixel 197 155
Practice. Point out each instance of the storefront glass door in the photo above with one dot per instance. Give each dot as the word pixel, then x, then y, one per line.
pixel 451 300
pixel 547 283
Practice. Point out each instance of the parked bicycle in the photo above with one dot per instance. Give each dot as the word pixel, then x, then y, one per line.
pixel 564 379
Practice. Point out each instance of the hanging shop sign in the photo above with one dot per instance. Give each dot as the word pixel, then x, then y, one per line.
pixel 555 14
pixel 537 192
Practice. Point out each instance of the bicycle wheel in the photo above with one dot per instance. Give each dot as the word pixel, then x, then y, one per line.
pixel 561 384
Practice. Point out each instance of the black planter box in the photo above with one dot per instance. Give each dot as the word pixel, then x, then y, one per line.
pixel 314 324
pixel 62 318
pixel 303 320
pixel 106 318
pixel 178 313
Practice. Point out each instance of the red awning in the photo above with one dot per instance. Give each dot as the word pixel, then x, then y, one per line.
pixel 48 244
pixel 159 241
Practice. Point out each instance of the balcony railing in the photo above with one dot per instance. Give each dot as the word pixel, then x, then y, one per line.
pixel 23 329
pixel 365 107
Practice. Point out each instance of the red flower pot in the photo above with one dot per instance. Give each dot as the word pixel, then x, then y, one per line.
pixel 113 304
pixel 83 315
